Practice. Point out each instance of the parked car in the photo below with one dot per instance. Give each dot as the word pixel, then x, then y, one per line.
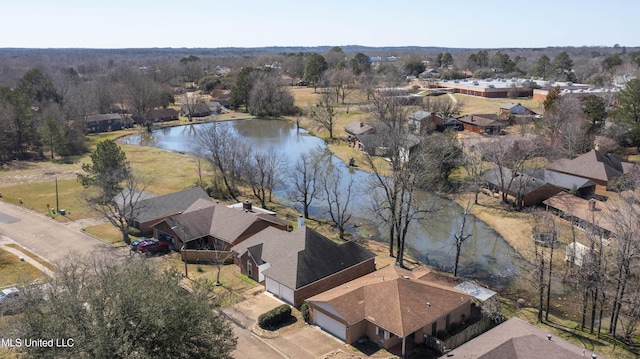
pixel 155 247
pixel 135 244
pixel 9 300
pixel 9 295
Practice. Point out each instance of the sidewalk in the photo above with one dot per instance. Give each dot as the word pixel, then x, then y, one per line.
pixel 27 258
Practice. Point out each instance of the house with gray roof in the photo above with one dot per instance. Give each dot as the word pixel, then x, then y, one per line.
pixel 107 122
pixel 299 264
pixel 520 188
pixel 151 209
pixel 577 185
pixel 517 339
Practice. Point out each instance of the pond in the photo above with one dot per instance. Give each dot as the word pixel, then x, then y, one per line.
pixel 485 256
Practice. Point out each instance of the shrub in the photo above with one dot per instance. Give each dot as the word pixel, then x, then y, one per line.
pixel 304 309
pixel 274 317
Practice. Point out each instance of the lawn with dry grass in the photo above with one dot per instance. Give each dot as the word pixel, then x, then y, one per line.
pixel 16 272
pixel 481 105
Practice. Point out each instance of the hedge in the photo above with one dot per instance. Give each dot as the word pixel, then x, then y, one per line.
pixel 274 317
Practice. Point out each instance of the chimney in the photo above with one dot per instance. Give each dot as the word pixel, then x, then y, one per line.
pixel 300 221
pixel 361 124
pixel 246 206
pixel 592 204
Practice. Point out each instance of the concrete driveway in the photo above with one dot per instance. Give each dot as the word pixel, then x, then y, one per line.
pixel 298 340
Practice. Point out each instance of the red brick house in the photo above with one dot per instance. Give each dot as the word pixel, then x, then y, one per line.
pixel 299 264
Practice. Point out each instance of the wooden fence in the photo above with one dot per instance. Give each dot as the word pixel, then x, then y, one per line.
pixel 472 331
pixel 206 256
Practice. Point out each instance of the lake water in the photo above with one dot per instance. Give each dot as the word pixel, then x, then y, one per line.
pixel 485 256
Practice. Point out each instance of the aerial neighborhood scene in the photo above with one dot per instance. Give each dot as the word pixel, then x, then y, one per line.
pixel 319 180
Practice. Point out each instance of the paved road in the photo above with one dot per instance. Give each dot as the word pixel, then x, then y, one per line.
pixel 45 237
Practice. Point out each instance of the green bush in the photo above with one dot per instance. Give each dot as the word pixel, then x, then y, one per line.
pixel 304 309
pixel 274 317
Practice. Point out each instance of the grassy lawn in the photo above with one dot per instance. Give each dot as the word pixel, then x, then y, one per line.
pixel 481 105
pixel 13 271
pixel 33 256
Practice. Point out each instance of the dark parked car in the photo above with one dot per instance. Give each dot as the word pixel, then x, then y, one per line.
pixel 155 247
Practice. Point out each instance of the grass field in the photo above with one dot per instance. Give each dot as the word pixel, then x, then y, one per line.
pixel 13 271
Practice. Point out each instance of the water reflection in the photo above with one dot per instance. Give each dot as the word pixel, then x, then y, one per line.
pixel 485 255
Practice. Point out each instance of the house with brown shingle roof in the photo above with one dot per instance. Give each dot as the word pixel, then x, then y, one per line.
pixel 516 339
pixel 299 264
pixel 601 168
pixel 487 123
pixel 392 306
pixel 151 209
pixel 208 225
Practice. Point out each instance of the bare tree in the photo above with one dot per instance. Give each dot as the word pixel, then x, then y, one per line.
pixel 443 105
pixel 323 113
pixel 306 177
pixel 337 194
pixel 341 82
pixel 510 159
pixel 461 237
pixel 397 199
pixel 222 148
pixel 189 102
pixel 262 171
pixel 124 207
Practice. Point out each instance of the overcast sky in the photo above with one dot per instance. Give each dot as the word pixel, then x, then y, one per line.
pixel 257 23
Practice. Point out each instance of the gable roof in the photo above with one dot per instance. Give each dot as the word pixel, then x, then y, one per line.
pixel 562 180
pixel 169 204
pixel 581 208
pixel 594 164
pixel 393 298
pixel 303 256
pixel 359 128
pixel 487 120
pixel 516 339
pixel 217 221
pixel 520 182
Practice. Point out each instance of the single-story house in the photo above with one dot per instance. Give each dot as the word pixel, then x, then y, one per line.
pixel 601 168
pixel 358 128
pixel 521 188
pixel 517 339
pixel 151 209
pixel 213 226
pixel 487 123
pixel 568 183
pixel 390 306
pixel 509 110
pixel 107 122
pixel 201 109
pixel 299 264
pixel 163 115
pixel 582 212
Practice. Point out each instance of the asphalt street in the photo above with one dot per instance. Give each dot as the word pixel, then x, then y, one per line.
pixel 46 237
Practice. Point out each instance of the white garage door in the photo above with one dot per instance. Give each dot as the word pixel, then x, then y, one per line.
pixel 331 325
pixel 286 294
pixel 273 287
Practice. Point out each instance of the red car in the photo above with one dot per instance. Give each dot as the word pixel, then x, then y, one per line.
pixel 155 247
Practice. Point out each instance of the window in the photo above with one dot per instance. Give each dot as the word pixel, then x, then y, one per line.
pixel 249 269
pixel 382 333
